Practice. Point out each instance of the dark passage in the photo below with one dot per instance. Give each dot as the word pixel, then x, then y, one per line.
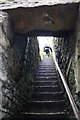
pixel 53 93
pixel 48 101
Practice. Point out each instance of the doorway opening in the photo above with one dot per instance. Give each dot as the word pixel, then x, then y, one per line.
pixel 45 45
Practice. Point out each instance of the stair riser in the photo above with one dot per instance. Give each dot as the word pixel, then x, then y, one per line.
pixel 46 78
pixel 47 89
pixel 45 107
pixel 47 74
pixel 46 83
pixel 46 69
pixel 48 65
pixel 46 97
pixel 45 117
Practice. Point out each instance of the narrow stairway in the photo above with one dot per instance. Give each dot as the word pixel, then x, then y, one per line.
pixel 47 101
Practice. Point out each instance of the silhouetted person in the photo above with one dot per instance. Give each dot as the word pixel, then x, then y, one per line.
pixel 47 52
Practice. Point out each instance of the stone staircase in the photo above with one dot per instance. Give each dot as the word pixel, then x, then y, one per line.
pixel 48 101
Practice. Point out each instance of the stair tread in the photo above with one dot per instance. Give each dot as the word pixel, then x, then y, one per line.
pixel 45 116
pixel 49 101
pixel 47 81
pixel 45 113
pixel 44 81
pixel 52 93
pixel 46 70
pixel 50 86
pixel 46 77
pixel 49 73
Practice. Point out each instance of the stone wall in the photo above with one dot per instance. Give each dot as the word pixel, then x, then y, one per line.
pixel 20 59
pixel 4 45
pixel 77 51
pixel 77 59
pixel 67 54
pixel 64 48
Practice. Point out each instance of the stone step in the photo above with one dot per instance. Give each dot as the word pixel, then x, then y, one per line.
pixel 50 76
pixel 47 77
pixel 44 71
pixel 47 65
pixel 46 68
pixel 44 82
pixel 47 74
pixel 47 89
pixel 47 96
pixel 45 106
pixel 49 68
pixel 45 116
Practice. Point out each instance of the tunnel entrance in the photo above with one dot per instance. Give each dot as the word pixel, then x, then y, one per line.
pixel 21 54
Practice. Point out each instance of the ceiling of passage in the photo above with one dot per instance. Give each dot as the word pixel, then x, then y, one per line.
pixel 55 18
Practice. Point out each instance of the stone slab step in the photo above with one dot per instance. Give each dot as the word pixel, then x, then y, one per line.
pixel 45 116
pixel 50 76
pixel 45 96
pixel 40 71
pixel 46 77
pixel 47 74
pixel 47 89
pixel 43 69
pixel 50 65
pixel 45 106
pixel 45 83
pixel 46 69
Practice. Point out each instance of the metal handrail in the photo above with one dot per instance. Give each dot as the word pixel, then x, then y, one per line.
pixel 72 102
